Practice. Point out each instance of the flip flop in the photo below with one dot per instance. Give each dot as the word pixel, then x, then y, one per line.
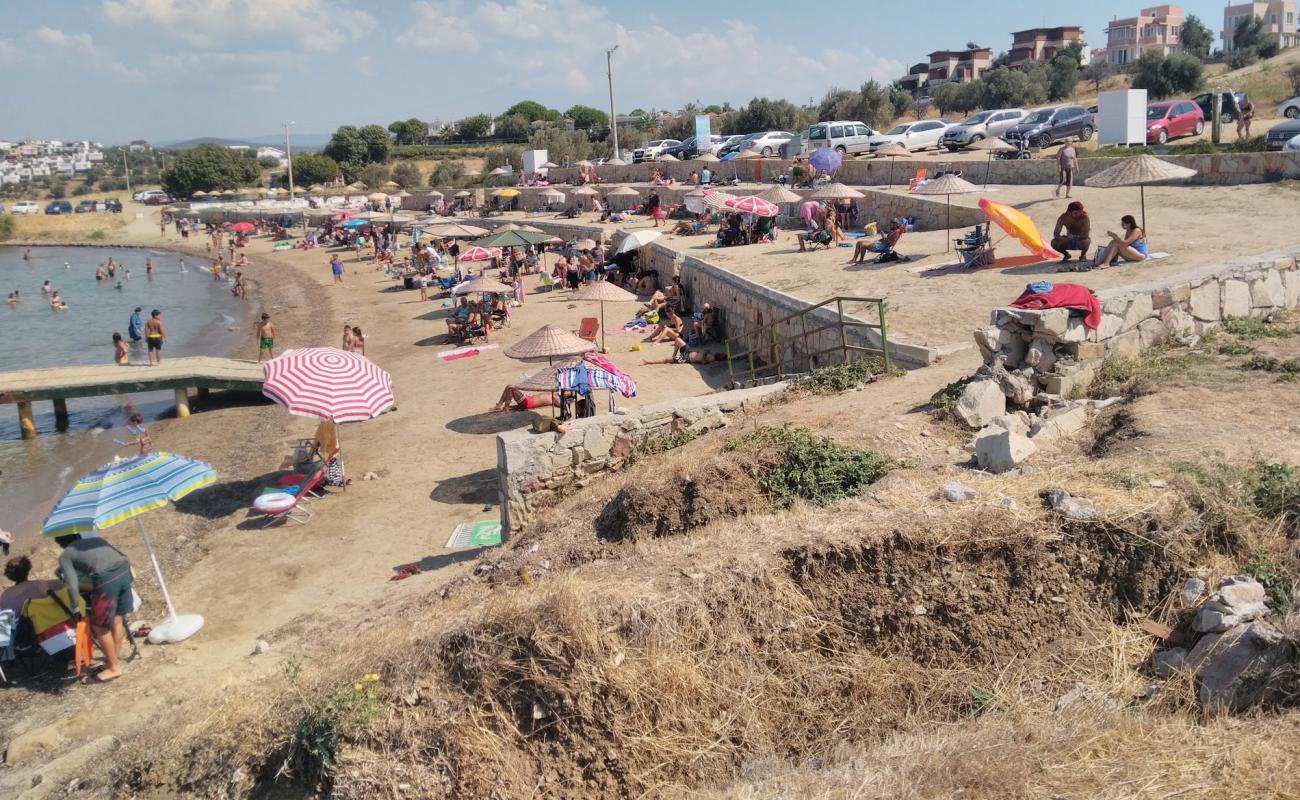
pixel 406 572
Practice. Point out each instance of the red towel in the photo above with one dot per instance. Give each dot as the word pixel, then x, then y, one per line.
pixel 465 354
pixel 1064 295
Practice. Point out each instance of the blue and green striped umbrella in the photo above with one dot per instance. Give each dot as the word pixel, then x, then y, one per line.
pixel 119 491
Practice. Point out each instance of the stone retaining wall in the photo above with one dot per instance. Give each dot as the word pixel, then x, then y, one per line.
pixel 1212 170
pixel 536 470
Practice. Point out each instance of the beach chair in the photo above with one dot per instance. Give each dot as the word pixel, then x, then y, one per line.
pixel 920 176
pixel 8 633
pixel 589 328
pixel 289 501
pixel 890 253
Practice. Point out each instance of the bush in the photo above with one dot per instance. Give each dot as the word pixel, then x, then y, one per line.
pixel 1163 76
pixel 1293 75
pixel 6 227
pixel 797 464
pixel 1275 494
pixel 1243 58
pixel 944 402
pixel 406 175
pixel 1268 48
pixel 1248 328
pixel 841 377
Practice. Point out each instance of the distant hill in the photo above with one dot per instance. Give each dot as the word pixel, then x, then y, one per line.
pixel 301 142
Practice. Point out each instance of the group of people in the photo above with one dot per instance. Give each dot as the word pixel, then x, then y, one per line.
pixel 150 331
pixel 1073 232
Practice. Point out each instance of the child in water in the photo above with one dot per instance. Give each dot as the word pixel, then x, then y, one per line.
pixel 120 354
pixel 135 426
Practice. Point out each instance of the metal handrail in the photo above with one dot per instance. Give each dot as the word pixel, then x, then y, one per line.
pixel 768 333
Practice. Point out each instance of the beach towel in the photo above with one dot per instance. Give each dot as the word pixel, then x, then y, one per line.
pixel 484 533
pixel 623 383
pixel 465 352
pixel 1064 295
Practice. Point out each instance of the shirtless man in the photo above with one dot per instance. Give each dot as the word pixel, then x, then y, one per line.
pixel 266 337
pixel 684 355
pixel 525 402
pixel 153 336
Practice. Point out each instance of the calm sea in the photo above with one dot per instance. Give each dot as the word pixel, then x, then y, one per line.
pixel 198 312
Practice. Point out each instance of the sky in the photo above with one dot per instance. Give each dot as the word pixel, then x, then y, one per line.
pixel 166 70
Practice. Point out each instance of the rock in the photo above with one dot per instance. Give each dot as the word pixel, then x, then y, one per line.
pixel 1040 355
pixel 261 647
pixel 1268 292
pixel 981 401
pixel 25 745
pixel 1158 483
pixel 1111 323
pixel 1236 299
pixel 955 492
pixel 1085 696
pixel 1167 662
pixel 1125 345
pixel 1002 450
pixel 1225 661
pixel 1192 590
pixel 990 340
pixel 1074 383
pixel 1152 333
pixel 1060 425
pixel 1053 321
pixel 1018 388
pixel 595 443
pixel 919 610
pixel 1079 509
pixel 1098 405
pixel 1204 302
pixel 1009 503
pixel 1138 311
pixel 1011 422
pixel 1238 600
pixel 1179 325
pixel 370 476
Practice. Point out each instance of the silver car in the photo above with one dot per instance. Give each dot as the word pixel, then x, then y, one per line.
pixel 984 125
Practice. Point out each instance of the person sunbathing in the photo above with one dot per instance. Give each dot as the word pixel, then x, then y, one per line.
pixel 865 247
pixel 822 236
pixel 669 327
pixel 1131 246
pixel 521 401
pixel 683 354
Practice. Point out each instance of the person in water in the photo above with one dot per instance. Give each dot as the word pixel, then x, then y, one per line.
pixel 120 354
pixel 153 336
pixel 135 326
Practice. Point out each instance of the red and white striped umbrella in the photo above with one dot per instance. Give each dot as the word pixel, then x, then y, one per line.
pixel 480 253
pixel 328 383
pixel 752 204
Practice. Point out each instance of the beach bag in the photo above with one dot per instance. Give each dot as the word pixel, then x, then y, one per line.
pixel 652 318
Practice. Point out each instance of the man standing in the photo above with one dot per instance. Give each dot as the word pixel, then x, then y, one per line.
pixel 1067 163
pixel 153 336
pixel 336 267
pixel 1073 231
pixel 108 574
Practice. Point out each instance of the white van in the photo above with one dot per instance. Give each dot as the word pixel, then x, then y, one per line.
pixel 847 136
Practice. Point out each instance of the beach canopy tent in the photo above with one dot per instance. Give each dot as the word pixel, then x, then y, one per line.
pixel 1139 171
pixel 946 185
pixel 125 489
pixel 602 292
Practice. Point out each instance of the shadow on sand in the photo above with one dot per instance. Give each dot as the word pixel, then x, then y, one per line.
pixel 476 488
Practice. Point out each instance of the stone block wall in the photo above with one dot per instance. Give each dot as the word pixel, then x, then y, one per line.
pixel 536 470
pixel 1034 352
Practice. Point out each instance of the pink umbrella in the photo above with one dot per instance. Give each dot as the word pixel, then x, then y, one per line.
pixel 343 213
pixel 241 227
pixel 328 383
pixel 480 253
pixel 753 205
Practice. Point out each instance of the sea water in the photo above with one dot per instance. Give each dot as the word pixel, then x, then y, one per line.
pixel 200 315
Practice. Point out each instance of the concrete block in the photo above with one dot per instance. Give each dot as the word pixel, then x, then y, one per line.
pixel 1076 382
pixel 1085 351
pixel 1291 282
pixel 1235 299
pixel 1268 292
pixel 1002 450
pixel 1151 333
pixel 1126 345
pixel 1138 311
pixel 981 401
pixel 1205 303
pixel 596 443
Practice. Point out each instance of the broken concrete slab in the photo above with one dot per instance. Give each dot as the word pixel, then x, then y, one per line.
pixel 981 401
pixel 1002 450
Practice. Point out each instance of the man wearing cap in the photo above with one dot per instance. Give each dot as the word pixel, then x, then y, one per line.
pixel 1073 231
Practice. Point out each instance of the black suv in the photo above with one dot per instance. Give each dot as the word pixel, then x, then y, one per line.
pixel 1047 126
pixel 114 205
pixel 1227 111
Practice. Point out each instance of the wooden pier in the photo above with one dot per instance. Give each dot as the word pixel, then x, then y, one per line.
pixel 178 374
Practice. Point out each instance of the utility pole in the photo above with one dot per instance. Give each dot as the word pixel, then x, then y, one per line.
pixel 613 117
pixel 126 165
pixel 288 155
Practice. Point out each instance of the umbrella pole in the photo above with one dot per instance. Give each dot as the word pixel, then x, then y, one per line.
pixel 1142 189
pixel 890 185
pixel 157 571
pixel 988 170
pixel 948 233
pixel 602 327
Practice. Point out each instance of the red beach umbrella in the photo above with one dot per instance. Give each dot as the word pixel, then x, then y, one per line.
pixel 751 204
pixel 480 253
pixel 328 383
pixel 241 227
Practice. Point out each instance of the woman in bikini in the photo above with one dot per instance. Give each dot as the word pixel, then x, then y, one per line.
pixel 1131 245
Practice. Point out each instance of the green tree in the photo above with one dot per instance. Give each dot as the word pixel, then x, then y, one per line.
pixel 763 114
pixel 268 162
pixel 1097 72
pixel 311 168
pixel 513 127
pixel 712 108
pixel 587 117
pixel 209 167
pixel 1248 33
pixel 575 145
pixel 379 143
pixel 532 110
pixel 1063 72
pixel 1014 88
pixel 1185 73
pixel 406 175
pixel 409 131
pixel 1293 75
pixel 475 127
pixel 6 227
pixel 447 173
pixel 900 100
pixel 1196 38
pixel 1163 76
pixel 347 148
pixel 1267 48
pixel 871 104
pixel 374 174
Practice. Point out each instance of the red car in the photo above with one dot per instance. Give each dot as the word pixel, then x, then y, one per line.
pixel 1167 121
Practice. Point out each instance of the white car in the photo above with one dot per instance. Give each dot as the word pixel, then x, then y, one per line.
pixel 1290 109
pixel 144 195
pixel 652 150
pixel 913 135
pixel 1292 145
pixel 768 142
pixel 25 207
pixel 847 136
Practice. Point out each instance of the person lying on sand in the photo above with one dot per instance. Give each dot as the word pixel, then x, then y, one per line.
pixel 683 354
pixel 525 402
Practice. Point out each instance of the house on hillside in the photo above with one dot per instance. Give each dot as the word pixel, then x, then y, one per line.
pixel 1278 16
pixel 916 78
pixel 1040 45
pixel 1157 28
pixel 958 66
pixel 138 146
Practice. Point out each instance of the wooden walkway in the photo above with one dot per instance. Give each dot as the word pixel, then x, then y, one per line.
pixel 179 374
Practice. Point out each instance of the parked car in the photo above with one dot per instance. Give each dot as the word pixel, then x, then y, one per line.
pixel 767 142
pixel 913 135
pixel 843 135
pixel 85 207
pixel 652 150
pixel 114 205
pixel 58 207
pixel 1292 145
pixel 984 125
pixel 728 144
pixel 1167 121
pixel 1047 126
pixel 1227 112
pixel 157 200
pixel 25 207
pixel 1290 109
pixel 1280 135
pixel 143 196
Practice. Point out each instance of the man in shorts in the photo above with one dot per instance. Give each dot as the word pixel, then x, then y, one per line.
pixel 684 354
pixel 97 566
pixel 512 395
pixel 1067 163
pixel 153 336
pixel 265 337
pixel 1073 231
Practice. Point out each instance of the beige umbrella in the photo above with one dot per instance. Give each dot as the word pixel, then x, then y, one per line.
pixel 583 163
pixel 1140 170
pixel 530 228
pixel 405 194
pixel 456 230
pixel 509 226
pixel 376 197
pixel 748 154
pixel 779 194
pixel 616 162
pixel 390 185
pixel 948 186
pixel 462 193
pixel 603 292
pixel 316 188
pixel 543 380
pixel 584 244
pixel 357 186
pixel 623 191
pixel 717 200
pixel 483 283
pixel 706 157
pixel 549 342
pixel 667 157
pixel 892 151
pixel 835 191
pixel 436 193
pixel 991 146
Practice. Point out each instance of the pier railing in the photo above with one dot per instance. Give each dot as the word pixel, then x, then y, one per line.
pixel 820 335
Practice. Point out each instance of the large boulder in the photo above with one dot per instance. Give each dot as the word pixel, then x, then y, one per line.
pixel 1228 663
pixel 980 402
pixel 1239 599
pixel 1002 450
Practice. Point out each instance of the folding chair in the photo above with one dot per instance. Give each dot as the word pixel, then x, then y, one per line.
pixel 589 328
pixel 920 176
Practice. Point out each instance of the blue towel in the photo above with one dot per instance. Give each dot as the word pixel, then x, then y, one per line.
pixel 1039 287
